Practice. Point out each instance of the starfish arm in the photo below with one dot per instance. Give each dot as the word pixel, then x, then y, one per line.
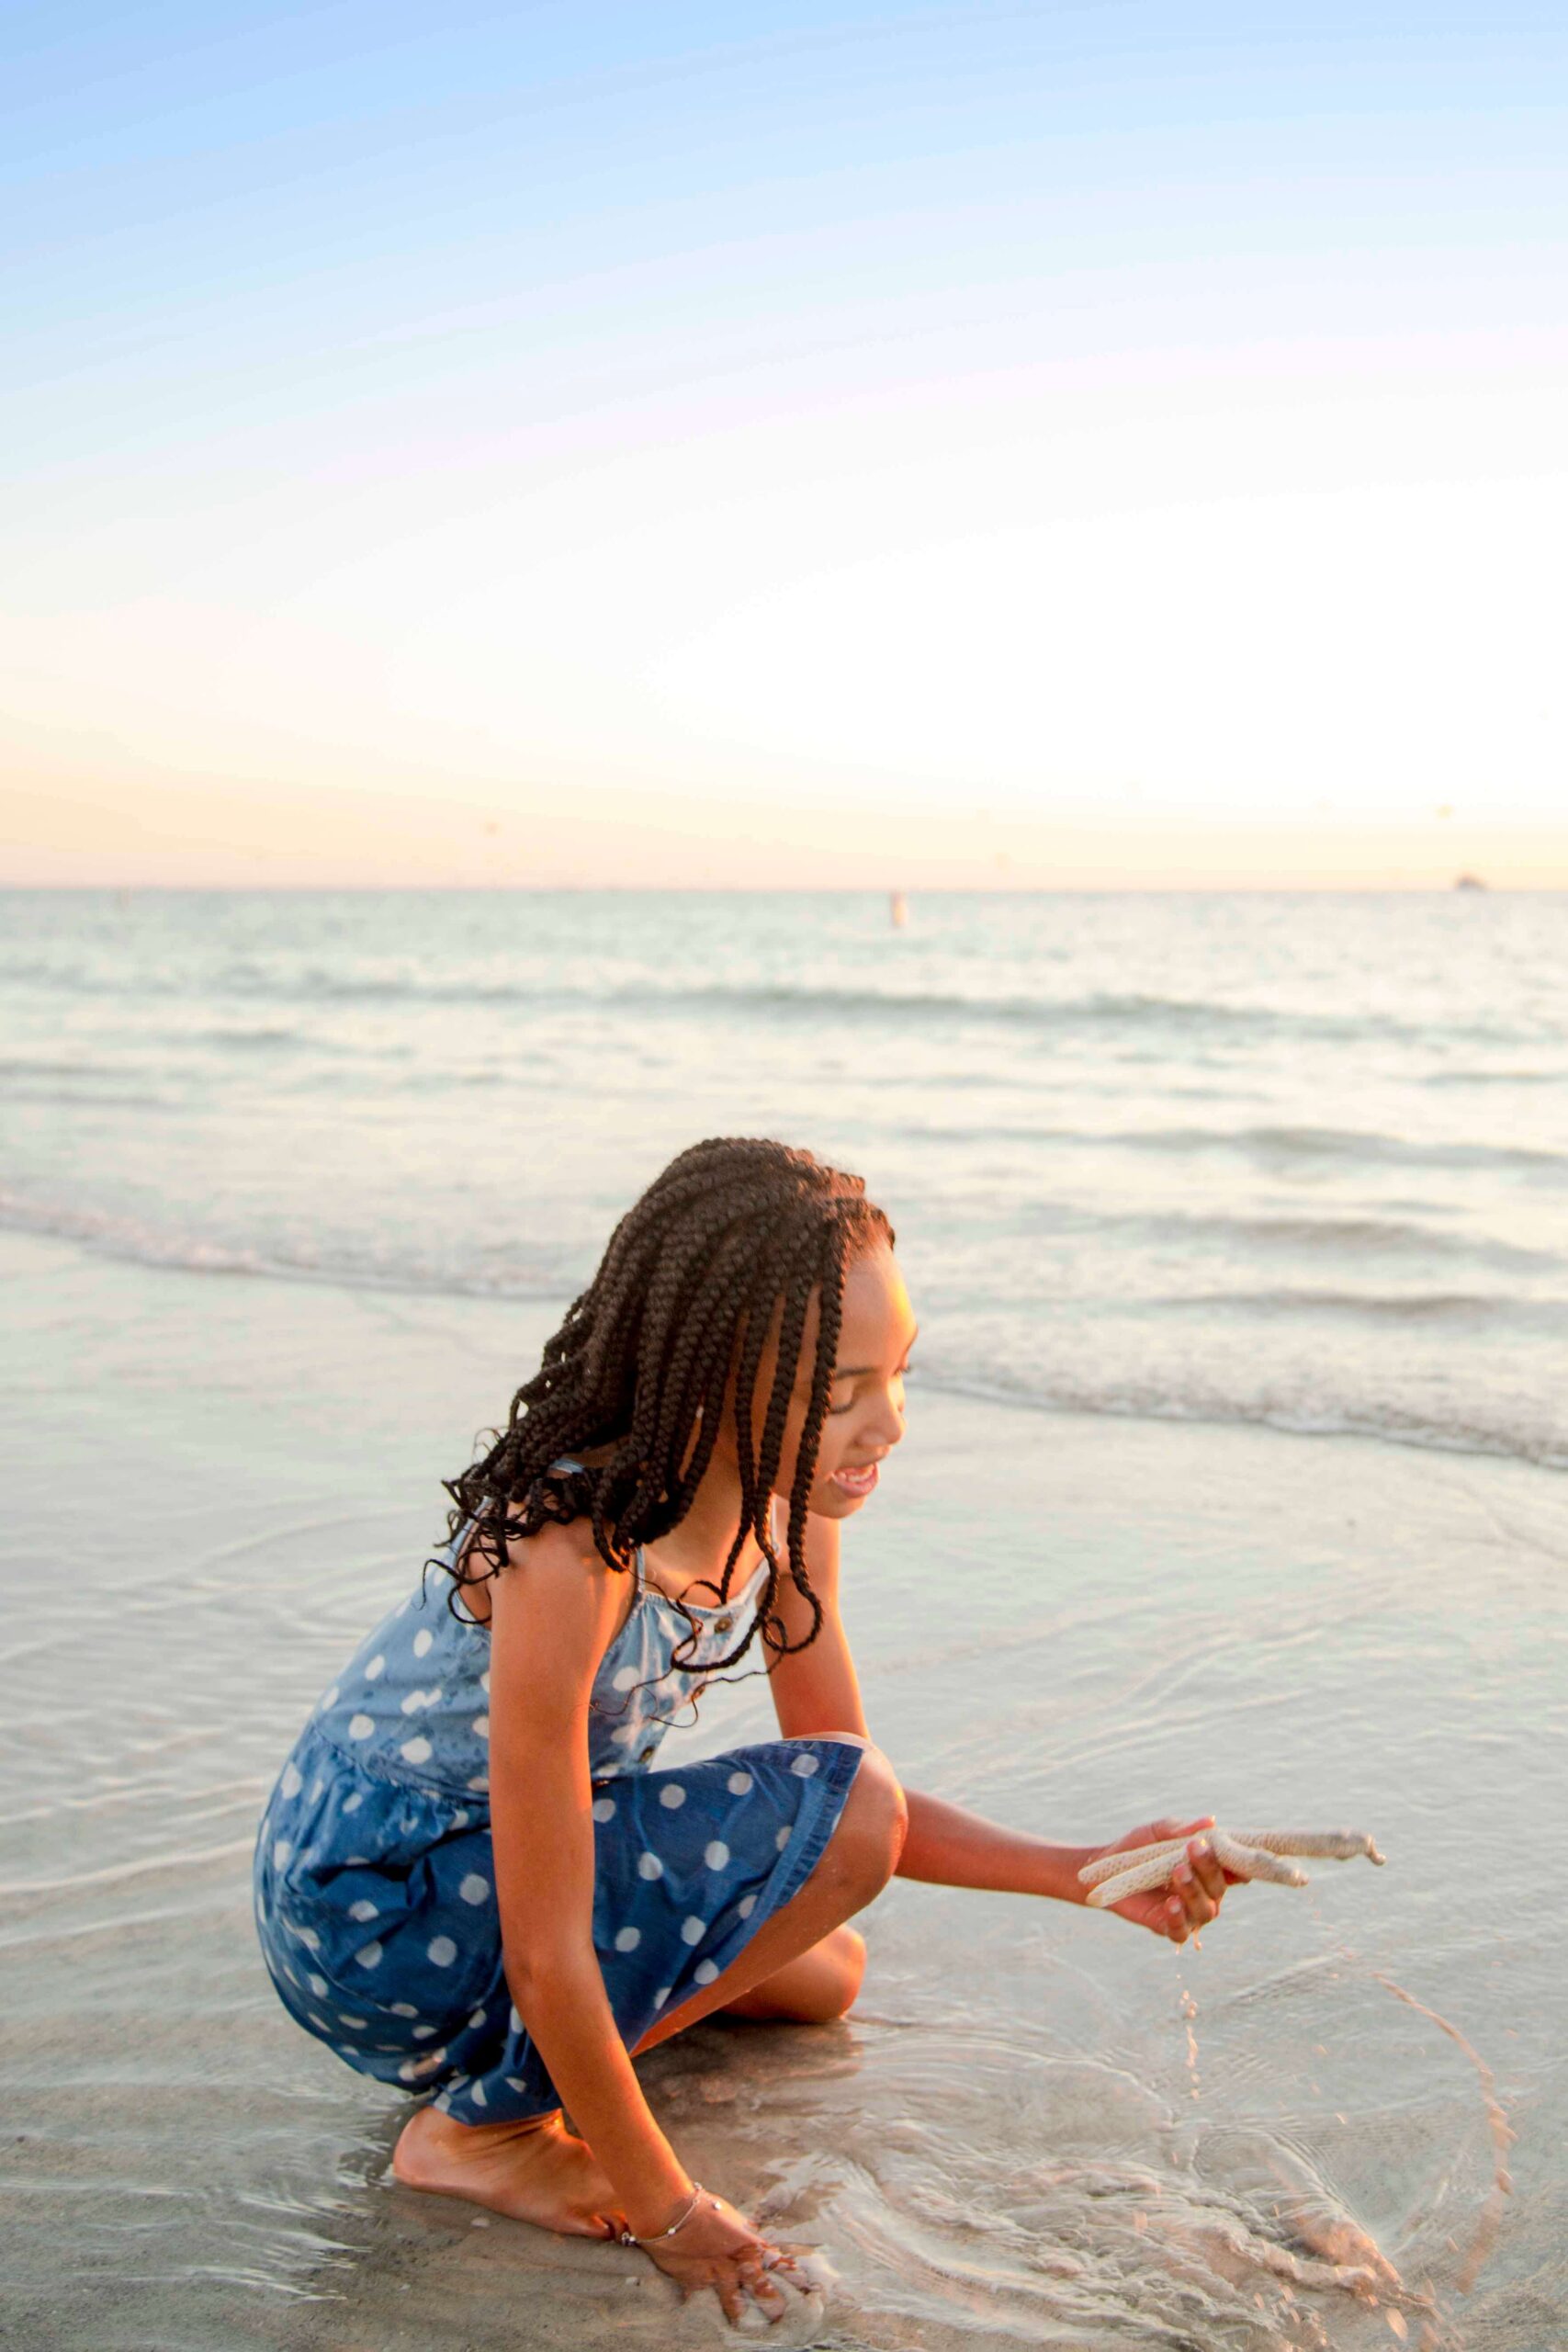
pixel 1128 1858
pixel 1154 1871
pixel 1318 1845
pixel 1247 1860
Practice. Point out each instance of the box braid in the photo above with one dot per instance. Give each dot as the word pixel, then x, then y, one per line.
pixel 688 1280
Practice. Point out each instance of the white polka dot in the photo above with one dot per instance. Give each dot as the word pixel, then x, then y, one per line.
pixel 316 1790
pixel 672 1796
pixel 293 1780
pixel 692 1930
pixel 316 2020
pixel 328 1698
pixel 363 1910
pixel 361 1726
pixel 482 1726
pixel 781 1840
pixel 413 1700
pixel 356 1863
pixel 649 1866
pixel 513 2084
pixel 705 1971
pixel 281 1849
pixel 376 1667
pixel 424 2033
pixel 484 1682
pixel 627 1734
pixel 662 1997
pixel 460 1818
pixel 627 1938
pixel 423 1642
pixel 604 1808
pixel 805 1765
pixel 416 1750
pixel 739 1784
pixel 369 1957
pixel 355 2025
pixel 747 1904
pixel 477 2093
pixel 477 2020
pixel 318 1986
pixel 626 1677
pixel 716 1854
pixel 474 1888
pixel 441 1951
pixel 404 2009
pixel 479 1782
pixel 309 1938
pixel 353 1803
pixel 514 2018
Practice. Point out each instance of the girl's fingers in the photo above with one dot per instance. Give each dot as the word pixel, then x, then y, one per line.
pixel 1163 1829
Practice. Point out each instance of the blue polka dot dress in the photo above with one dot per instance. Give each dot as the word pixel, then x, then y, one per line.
pixel 375 1884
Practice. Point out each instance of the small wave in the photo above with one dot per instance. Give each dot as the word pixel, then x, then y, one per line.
pixel 1494 1078
pixel 1348 1144
pixel 143 1245
pixel 1425 1306
pixel 1385 1425
pixel 1096 1010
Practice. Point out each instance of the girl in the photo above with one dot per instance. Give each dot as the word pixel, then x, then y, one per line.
pixel 467 1878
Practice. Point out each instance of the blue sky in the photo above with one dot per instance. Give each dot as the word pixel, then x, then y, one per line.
pixel 765 426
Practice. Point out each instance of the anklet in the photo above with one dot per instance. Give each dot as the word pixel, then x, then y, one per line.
pixel 630 2237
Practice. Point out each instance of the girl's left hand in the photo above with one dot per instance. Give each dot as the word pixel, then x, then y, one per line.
pixel 1197 1884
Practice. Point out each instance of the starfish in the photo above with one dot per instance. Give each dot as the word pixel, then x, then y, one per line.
pixel 1246 1853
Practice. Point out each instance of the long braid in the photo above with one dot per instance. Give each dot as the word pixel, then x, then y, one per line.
pixel 734 1227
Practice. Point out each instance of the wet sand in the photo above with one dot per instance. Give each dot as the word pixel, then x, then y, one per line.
pixel 1040 2125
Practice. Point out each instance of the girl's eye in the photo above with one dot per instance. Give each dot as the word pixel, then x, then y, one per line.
pixel 835 1410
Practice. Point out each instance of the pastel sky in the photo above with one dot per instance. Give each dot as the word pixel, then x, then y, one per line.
pixel 985 445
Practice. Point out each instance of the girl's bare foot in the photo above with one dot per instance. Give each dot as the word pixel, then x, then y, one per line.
pixel 531 2172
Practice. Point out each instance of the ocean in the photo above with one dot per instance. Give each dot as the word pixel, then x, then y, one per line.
pixel 1233 1483
pixel 1296 1160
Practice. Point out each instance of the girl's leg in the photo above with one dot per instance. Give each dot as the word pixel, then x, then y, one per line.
pixel 819 1987
pixel 539 2172
pixel 794 1953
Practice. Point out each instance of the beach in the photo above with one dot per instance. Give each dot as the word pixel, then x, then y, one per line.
pixel 1010 2138
pixel 1232 1483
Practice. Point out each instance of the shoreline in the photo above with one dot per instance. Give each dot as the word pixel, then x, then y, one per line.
pixel 214 1264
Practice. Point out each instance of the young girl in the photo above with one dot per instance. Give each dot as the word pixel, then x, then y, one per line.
pixel 468 1880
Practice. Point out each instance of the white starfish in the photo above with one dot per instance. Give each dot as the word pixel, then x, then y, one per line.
pixel 1246 1853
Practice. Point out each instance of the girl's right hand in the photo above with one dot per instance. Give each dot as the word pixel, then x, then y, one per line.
pixel 719 2248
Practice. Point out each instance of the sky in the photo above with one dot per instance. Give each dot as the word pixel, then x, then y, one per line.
pixel 1067 445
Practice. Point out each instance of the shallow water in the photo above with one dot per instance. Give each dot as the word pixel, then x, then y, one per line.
pixel 1297 1160
pixel 1040 2125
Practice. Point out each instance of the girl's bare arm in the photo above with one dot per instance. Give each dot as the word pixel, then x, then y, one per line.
pixel 552 1614
pixel 816 1689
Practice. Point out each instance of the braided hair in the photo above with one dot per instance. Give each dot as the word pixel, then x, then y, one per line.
pixel 692 1272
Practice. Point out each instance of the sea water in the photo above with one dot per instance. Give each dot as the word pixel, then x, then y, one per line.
pixel 1298 1159
pixel 1233 1483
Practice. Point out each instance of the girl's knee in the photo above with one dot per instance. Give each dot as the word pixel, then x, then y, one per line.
pixel 872 1825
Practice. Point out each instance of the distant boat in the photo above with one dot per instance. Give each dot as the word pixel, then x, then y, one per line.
pixel 897 910
pixel 1469 882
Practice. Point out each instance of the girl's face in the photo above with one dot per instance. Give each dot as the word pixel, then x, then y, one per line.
pixel 865 1415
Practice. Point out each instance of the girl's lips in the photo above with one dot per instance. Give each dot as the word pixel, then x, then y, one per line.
pixel 856 1482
